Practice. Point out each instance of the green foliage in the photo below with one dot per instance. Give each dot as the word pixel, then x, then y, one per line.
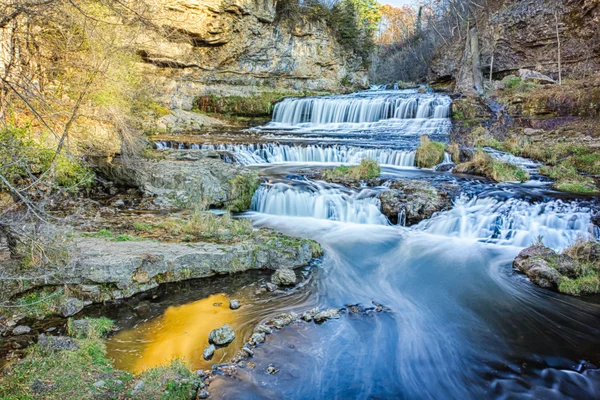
pixel 23 159
pixel 92 328
pixel 36 304
pixel 367 169
pixel 102 233
pixel 206 225
pixel 139 226
pixel 429 154
pixel 568 179
pixel 243 187
pixel 485 165
pixel 588 284
pixel 512 82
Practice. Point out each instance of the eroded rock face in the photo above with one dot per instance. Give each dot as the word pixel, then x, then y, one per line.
pixel 409 202
pixel 525 32
pixel 226 47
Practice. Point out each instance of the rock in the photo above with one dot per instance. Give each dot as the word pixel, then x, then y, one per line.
pixel 57 343
pixel 118 204
pixel 38 387
pixel 208 352
pixel 221 336
pixel 532 132
pixel 72 306
pixel 409 202
pixel 263 329
pixel 139 386
pixel 99 384
pixel 271 369
pixel 271 287
pixel 248 351
pixel 444 167
pixel 534 262
pixel 21 330
pixel 203 394
pixel 142 309
pixel 543 275
pixel 422 89
pixel 257 338
pixel 528 75
pixel 186 121
pixel 80 328
pixel 284 277
pixel 323 316
pixel 234 304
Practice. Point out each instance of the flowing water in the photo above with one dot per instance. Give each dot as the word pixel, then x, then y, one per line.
pixel 462 323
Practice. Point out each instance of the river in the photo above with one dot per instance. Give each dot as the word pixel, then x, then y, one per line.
pixel 460 322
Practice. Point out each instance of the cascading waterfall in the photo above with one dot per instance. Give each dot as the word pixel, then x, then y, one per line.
pixel 323 203
pixel 359 109
pixel 513 222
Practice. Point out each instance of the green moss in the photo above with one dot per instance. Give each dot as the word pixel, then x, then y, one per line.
pixel 243 187
pixel 102 233
pixel 588 284
pixel 429 154
pixel 37 303
pixel 139 226
pixel 367 169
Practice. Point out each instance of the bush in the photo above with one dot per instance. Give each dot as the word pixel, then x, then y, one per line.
pixel 429 154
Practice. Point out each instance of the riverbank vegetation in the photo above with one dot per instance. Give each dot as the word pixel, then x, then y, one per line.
pixel 484 164
pixel 78 368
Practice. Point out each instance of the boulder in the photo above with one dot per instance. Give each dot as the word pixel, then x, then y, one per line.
pixel 528 75
pixel 21 330
pixel 409 201
pixel 284 277
pixel 72 306
pixel 234 304
pixel 322 316
pixel 57 343
pixel 221 336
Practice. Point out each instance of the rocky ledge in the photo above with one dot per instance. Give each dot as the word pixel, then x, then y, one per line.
pixel 105 270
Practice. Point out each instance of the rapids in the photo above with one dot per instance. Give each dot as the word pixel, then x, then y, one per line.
pixel 463 324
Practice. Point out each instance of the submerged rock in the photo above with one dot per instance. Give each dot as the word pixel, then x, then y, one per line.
pixel 409 201
pixel 209 352
pixel 221 336
pixel 284 277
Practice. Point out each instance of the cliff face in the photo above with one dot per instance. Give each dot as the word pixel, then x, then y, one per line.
pixel 522 34
pixel 225 47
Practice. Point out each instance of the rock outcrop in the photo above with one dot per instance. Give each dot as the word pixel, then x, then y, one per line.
pixel 522 34
pixel 104 270
pixel 239 47
pixel 187 178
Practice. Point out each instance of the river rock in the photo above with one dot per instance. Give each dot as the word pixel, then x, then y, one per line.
pixel 411 201
pixel 284 277
pixel 21 330
pixel 234 304
pixel 203 394
pixel 542 265
pixel 324 315
pixel 221 336
pixel 57 343
pixel 257 338
pixel 208 352
pixel 72 306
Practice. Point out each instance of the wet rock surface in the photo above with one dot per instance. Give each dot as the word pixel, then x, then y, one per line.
pixel 410 201
pixel 284 277
pixel 221 336
pixel 57 343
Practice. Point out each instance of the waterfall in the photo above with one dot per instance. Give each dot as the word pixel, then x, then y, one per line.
pixel 323 203
pixel 514 222
pixel 262 153
pixel 360 108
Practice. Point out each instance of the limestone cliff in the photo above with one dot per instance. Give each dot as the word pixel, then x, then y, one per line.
pixel 238 47
pixel 522 34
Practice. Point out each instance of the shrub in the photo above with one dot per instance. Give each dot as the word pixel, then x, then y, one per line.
pixel 429 154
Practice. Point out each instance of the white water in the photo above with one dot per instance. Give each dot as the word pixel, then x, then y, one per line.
pixel 354 109
pixel 324 203
pixel 512 222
